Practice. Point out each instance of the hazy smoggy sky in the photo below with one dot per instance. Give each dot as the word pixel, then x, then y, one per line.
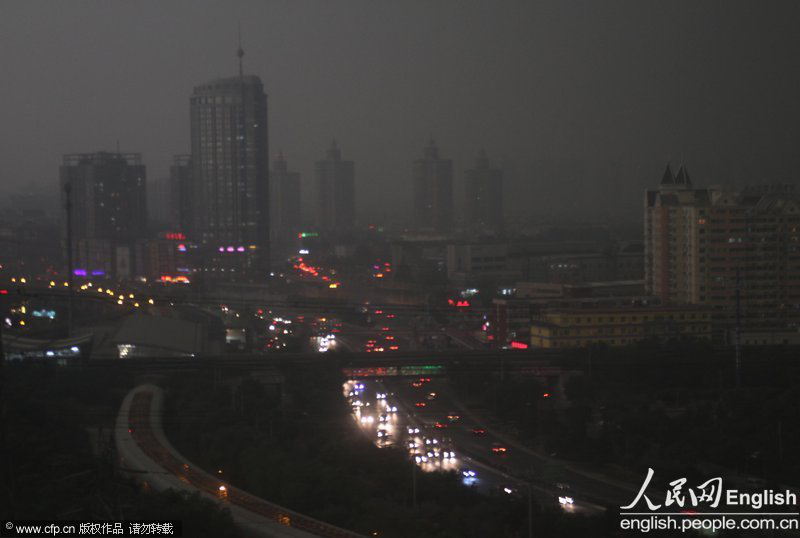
pixel 581 102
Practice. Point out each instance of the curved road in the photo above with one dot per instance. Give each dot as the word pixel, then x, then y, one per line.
pixel 148 456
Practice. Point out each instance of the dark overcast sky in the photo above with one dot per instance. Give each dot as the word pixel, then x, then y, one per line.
pixel 582 102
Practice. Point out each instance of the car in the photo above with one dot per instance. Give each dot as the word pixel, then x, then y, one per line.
pixel 565 501
pixel 497 448
pixel 420 404
pixel 394 348
pixel 469 477
pixel 453 417
pixel 416 384
pixel 440 425
pixel 431 396
pixel 384 328
pixel 478 431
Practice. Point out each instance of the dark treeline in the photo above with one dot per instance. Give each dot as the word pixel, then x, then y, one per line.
pixel 669 408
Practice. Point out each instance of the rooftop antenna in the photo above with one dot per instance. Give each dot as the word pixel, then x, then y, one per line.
pixel 240 52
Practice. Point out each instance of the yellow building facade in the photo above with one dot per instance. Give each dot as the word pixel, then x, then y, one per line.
pixel 619 326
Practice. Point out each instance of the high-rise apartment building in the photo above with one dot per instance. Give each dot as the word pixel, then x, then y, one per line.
pixel 484 196
pixel 285 198
pixel 230 176
pixel 336 202
pixel 108 198
pixel 433 191
pixel 706 246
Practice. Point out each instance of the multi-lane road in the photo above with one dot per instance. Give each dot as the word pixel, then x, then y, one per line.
pixel 418 416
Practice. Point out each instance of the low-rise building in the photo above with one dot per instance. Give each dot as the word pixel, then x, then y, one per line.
pixel 471 263
pixel 619 326
pixel 510 317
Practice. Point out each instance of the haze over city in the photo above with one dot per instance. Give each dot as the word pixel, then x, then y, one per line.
pixel 444 268
pixel 581 103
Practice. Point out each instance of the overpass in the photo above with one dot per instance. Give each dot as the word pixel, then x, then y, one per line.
pixel 555 365
pixel 485 360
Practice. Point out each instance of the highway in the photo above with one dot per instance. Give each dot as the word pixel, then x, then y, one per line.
pixel 478 440
pixel 415 416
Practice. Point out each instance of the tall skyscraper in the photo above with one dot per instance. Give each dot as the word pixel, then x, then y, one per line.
pixel 484 196
pixel 109 211
pixel 180 193
pixel 433 191
pixel 230 175
pixel 285 197
pixel 704 245
pixel 336 204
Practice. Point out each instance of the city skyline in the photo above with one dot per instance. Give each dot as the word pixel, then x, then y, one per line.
pixel 549 120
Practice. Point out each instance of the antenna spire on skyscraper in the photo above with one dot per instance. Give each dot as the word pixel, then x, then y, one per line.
pixel 240 51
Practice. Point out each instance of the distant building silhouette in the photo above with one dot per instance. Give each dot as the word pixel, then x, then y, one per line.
pixel 180 193
pixel 109 211
pixel 285 200
pixel 230 176
pixel 484 196
pixel 335 192
pixel 433 191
